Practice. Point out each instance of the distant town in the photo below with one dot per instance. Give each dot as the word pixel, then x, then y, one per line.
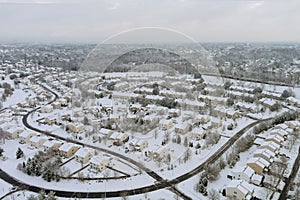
pixel 135 130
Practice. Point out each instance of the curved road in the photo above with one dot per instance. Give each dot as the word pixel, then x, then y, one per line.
pixel 161 183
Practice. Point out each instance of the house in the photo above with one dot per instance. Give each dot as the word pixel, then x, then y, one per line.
pixel 83 155
pixel 47 109
pixel 244 174
pixel 272 146
pixel 174 112
pixel 280 132
pixel 215 122
pixel 51 145
pixel 238 189
pixel 282 126
pixel 247 174
pixel 293 101
pixel 15 131
pixel 76 127
pixel 106 132
pixel 63 101
pixel 158 153
pixel 56 105
pixel 99 164
pixel 182 128
pixel 265 154
pixel 275 138
pixel 259 165
pixel 198 133
pixel 50 120
pixel 165 124
pixel 37 141
pixel 68 149
pixel 119 138
pixel 138 144
pixel 293 124
pixel 25 136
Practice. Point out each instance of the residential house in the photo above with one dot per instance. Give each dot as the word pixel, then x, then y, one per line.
pixel 76 127
pixel 56 105
pixel 293 124
pixel 247 174
pixel 182 128
pixel 37 141
pixel 280 132
pixel 259 165
pixel 15 131
pixel 47 109
pixel 166 124
pixel 50 120
pixel 272 146
pixel 51 145
pixel 198 133
pixel 265 154
pixel 25 136
pixel 99 164
pixel 275 138
pixel 119 138
pixel 138 144
pixel 158 153
pixel 238 189
pixel 106 132
pixel 68 149
pixel 83 155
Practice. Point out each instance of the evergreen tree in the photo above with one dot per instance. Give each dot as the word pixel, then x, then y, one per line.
pixel 1 152
pixel 185 142
pixel 19 153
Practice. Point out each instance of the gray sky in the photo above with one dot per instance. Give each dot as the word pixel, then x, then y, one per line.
pixel 95 20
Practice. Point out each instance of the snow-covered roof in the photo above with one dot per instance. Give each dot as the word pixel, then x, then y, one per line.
pixel 51 143
pixel 83 152
pixel 25 134
pixel 105 131
pixel 66 147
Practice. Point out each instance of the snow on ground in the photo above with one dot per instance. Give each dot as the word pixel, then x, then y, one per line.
pixel 4 188
pixel 159 194
pixel 10 166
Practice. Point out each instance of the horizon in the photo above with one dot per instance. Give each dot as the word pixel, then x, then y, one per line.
pixel 91 21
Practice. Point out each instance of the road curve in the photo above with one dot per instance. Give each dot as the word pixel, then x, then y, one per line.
pixel 161 183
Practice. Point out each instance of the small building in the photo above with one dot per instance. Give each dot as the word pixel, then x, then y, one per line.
pixel 56 105
pixel 293 124
pixel 68 149
pixel 50 120
pixel 83 155
pixel 265 154
pixel 51 145
pixel 47 109
pixel 280 132
pixel 272 146
pixel 119 138
pixel 275 138
pixel 238 189
pixel 198 133
pixel 182 128
pixel 259 165
pixel 15 131
pixel 138 144
pixel 106 132
pixel 76 127
pixel 38 141
pixel 99 164
pixel 25 136
pixel 165 124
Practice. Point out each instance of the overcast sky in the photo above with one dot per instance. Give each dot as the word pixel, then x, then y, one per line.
pixel 95 20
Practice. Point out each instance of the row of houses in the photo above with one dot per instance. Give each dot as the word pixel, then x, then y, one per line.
pixel 256 166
